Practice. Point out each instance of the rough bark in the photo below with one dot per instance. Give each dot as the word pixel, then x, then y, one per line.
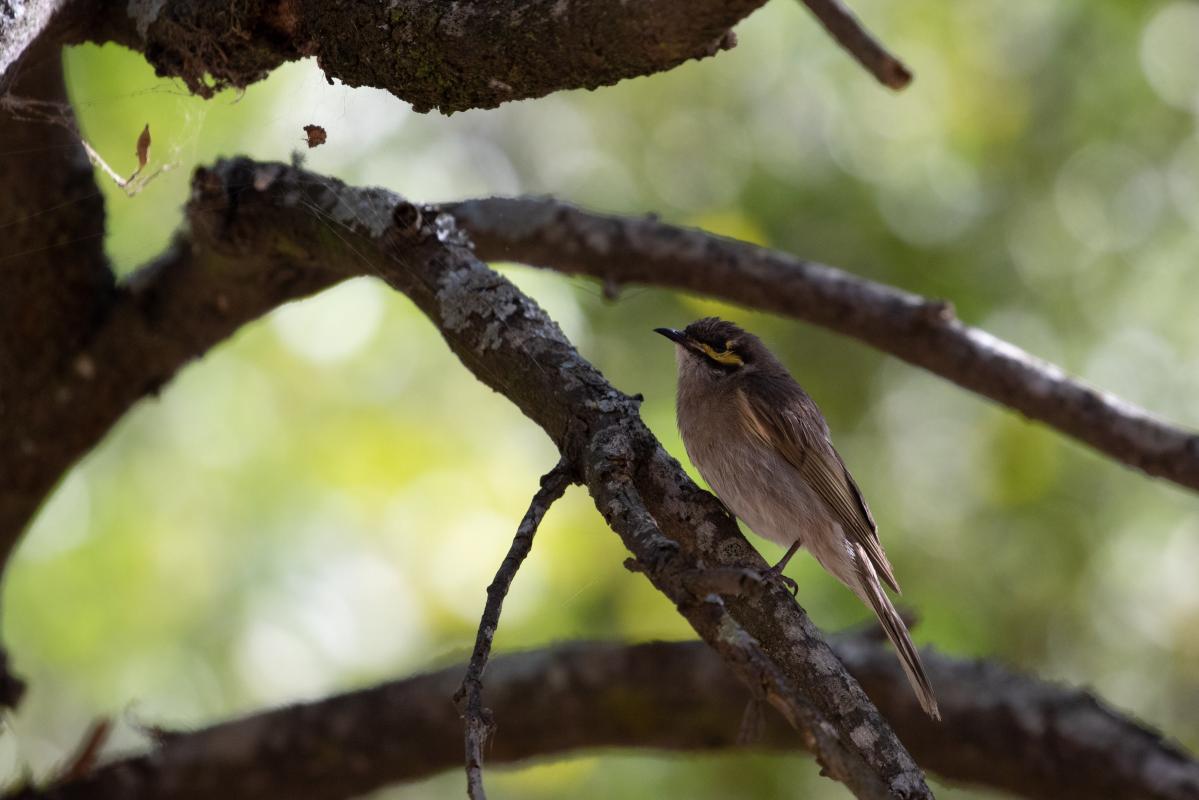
pixel 450 55
pixel 438 54
pixel 1001 729
pixel 618 250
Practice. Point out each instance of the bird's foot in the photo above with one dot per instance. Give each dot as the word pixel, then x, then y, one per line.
pixel 775 576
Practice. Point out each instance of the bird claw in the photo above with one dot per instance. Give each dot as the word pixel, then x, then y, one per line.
pixel 776 577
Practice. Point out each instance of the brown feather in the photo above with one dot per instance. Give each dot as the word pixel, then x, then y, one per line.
pixel 813 455
pixel 897 632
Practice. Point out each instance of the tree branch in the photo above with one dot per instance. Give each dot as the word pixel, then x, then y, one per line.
pixel 449 56
pixel 1001 729
pixel 452 57
pixel 1030 737
pixel 478 720
pixel 55 280
pixel 554 235
pixel 843 26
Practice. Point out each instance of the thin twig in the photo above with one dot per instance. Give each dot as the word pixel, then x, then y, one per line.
pixel 849 32
pixel 478 720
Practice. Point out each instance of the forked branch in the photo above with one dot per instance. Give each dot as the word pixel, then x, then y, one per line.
pixel 849 32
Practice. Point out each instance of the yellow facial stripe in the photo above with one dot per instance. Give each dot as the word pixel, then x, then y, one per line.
pixel 725 357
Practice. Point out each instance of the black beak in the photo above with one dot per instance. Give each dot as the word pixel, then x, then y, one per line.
pixel 675 336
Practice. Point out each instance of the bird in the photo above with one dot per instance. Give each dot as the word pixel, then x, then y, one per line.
pixel 764 447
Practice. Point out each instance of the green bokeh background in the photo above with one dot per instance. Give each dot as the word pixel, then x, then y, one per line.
pixel 320 503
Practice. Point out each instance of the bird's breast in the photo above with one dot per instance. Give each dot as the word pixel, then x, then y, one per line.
pixel 752 479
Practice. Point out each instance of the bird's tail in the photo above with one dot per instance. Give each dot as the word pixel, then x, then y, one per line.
pixel 872 592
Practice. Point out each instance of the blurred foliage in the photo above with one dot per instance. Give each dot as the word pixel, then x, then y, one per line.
pixel 320 503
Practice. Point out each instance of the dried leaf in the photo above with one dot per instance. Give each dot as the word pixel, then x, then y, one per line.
pixel 316 135
pixel 143 147
pixel 135 182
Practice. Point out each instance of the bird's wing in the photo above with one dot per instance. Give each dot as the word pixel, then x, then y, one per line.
pixel 807 448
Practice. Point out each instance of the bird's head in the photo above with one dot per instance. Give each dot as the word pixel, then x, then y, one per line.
pixel 714 350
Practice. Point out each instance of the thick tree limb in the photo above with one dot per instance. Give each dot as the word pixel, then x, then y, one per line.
pixel 617 250
pixel 54 276
pixel 843 26
pixel 449 56
pixel 478 720
pixel 1030 737
pixel 1001 729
